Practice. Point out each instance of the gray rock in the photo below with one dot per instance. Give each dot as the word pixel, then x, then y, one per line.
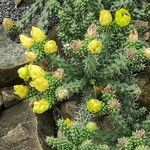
pixel 21 129
pixel 16 135
pixel 143 81
pixel 11 58
pixel 69 109
pixel 9 98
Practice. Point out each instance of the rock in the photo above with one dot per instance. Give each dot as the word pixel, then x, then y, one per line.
pixel 143 81
pixel 69 109
pixel 11 58
pixel 21 129
pixel 16 135
pixel 9 98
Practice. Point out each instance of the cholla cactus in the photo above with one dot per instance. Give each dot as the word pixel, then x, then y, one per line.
pixel 95 66
pixel 77 137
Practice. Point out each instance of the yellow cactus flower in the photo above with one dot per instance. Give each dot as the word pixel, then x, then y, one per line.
pixel 37 34
pixel 147 53
pixel 91 126
pixel 68 122
pixel 105 18
pixel 50 47
pixel 94 105
pixel 95 46
pixel 30 56
pixel 41 106
pixel 122 17
pixel 21 90
pixel 24 73
pixel 26 41
pixel 40 84
pixel 36 71
pixel 7 23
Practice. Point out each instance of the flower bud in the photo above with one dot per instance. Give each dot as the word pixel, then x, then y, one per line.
pixel 59 73
pixel 91 126
pixel 21 90
pixel 41 106
pixel 108 89
pixel 97 89
pixel 30 56
pixel 40 84
pixel 105 18
pixel 26 41
pixel 76 45
pixel 24 73
pixel 95 46
pixel 147 53
pixel 68 122
pixel 122 17
pixel 8 23
pixel 133 36
pixel 62 94
pixel 50 47
pixel 114 104
pixel 92 30
pixel 36 71
pixel 37 34
pixel 94 105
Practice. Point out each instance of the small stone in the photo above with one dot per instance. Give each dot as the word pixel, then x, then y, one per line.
pixel 17 134
pixel 11 59
pixel 69 110
pixel 143 81
pixel 21 129
pixel 9 97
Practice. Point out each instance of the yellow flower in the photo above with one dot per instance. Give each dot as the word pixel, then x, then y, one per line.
pixel 8 23
pixel 30 56
pixel 147 53
pixel 41 106
pixel 36 71
pixel 91 126
pixel 40 84
pixel 95 46
pixel 68 122
pixel 94 105
pixel 37 34
pixel 50 47
pixel 26 41
pixel 24 73
pixel 105 18
pixel 21 90
pixel 122 17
